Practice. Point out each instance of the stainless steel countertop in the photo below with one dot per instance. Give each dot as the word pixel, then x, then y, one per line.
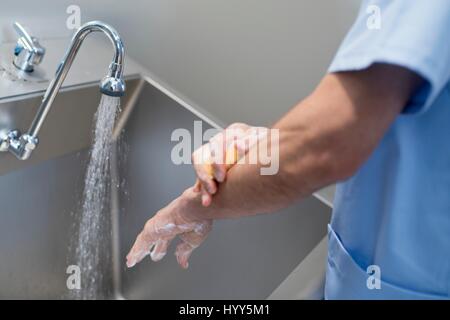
pixel 90 66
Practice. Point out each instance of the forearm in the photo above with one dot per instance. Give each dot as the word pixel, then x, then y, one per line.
pixel 323 139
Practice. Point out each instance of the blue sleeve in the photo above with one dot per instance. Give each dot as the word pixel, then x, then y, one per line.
pixel 411 34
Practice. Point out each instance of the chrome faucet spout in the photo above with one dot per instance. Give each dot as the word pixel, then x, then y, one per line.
pixel 112 84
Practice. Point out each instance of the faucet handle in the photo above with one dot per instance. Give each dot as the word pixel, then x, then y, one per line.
pixel 28 52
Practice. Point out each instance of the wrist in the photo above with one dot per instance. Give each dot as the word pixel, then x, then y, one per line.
pixel 188 205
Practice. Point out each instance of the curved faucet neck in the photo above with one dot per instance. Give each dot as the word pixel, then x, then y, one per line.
pixel 22 145
pixel 110 32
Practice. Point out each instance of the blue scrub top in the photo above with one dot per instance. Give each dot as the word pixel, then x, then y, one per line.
pixel 394 213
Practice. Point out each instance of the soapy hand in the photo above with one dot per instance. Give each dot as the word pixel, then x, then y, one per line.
pixel 211 163
pixel 212 160
pixel 161 229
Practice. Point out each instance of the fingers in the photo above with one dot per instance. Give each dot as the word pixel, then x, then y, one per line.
pixel 211 168
pixel 219 171
pixel 206 176
pixel 190 241
pixel 155 238
pixel 159 250
pixel 213 160
pixel 183 253
pixel 201 160
pixel 197 186
pixel 206 197
pixel 156 230
pixel 139 251
pixel 231 156
pixel 206 185
pixel 208 163
pixel 239 126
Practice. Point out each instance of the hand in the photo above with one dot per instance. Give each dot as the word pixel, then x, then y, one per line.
pixel 213 160
pixel 161 229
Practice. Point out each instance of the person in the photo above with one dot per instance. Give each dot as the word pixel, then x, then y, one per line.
pixel 378 124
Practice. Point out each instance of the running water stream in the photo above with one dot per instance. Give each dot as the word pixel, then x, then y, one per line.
pixel 92 231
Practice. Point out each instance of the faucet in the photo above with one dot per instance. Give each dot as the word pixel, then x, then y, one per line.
pixel 28 51
pixel 22 145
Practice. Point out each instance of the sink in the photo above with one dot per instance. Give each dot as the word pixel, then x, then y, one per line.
pixel 242 259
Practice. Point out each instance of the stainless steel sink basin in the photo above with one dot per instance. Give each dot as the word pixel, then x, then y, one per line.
pixel 245 258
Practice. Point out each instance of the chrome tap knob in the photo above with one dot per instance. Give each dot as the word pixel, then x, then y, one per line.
pixel 28 53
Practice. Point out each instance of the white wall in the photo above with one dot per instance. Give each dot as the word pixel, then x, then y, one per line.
pixel 241 60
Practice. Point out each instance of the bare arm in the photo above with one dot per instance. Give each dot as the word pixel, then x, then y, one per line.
pixel 323 139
